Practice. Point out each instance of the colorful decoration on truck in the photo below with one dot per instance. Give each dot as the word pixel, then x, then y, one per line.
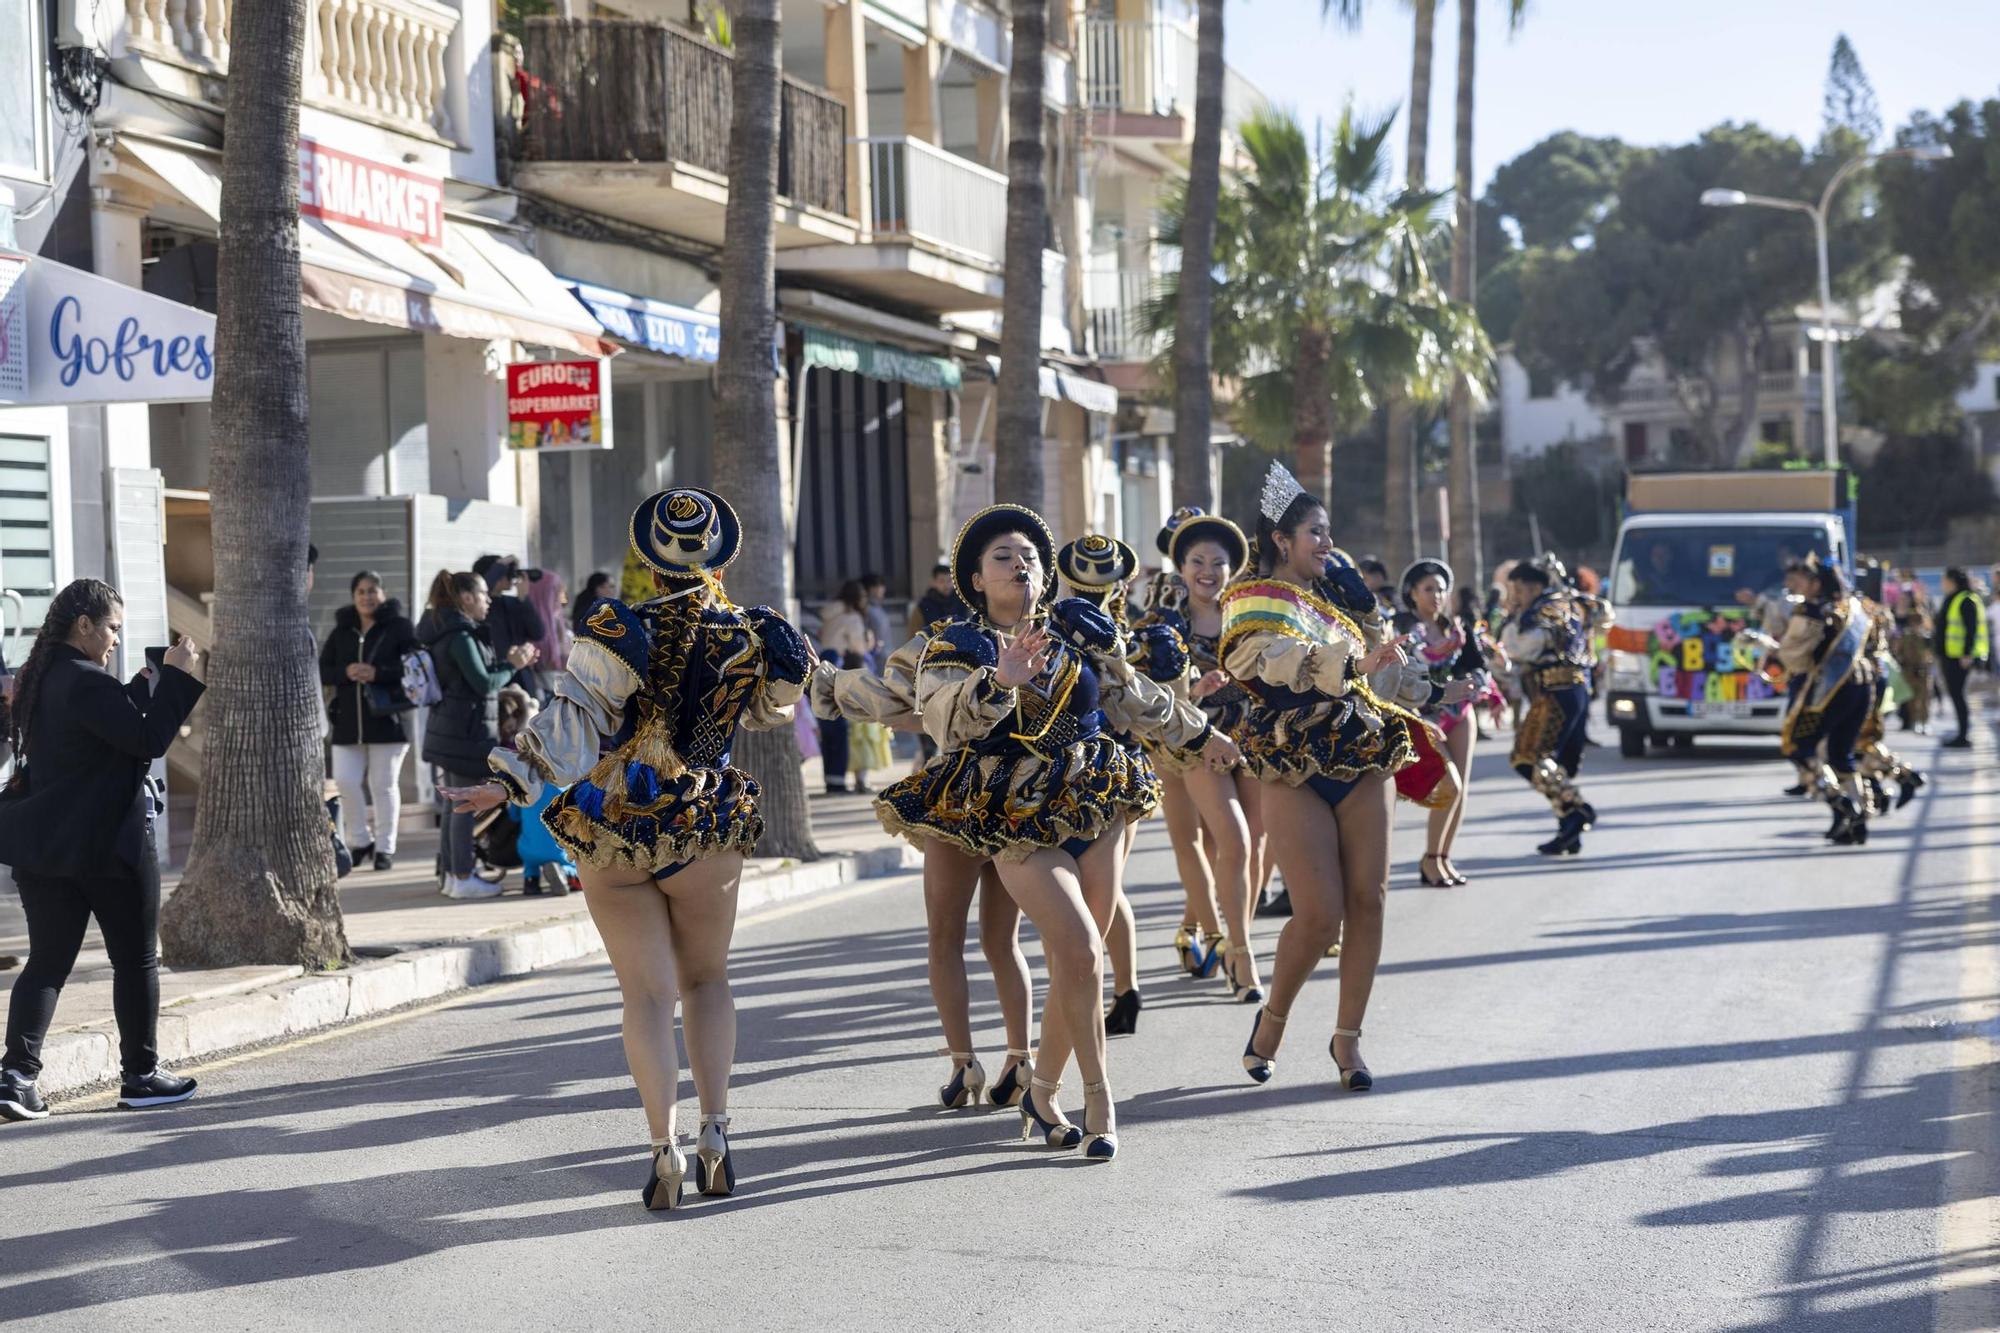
pixel 1710 655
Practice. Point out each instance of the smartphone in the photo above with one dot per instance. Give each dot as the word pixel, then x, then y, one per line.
pixel 156 658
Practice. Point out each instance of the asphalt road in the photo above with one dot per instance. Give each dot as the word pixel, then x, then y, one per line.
pixel 1712 1075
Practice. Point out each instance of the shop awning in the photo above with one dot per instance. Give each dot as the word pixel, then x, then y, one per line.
pixel 1062 386
pixel 480 284
pixel 657 326
pixel 67 336
pixel 878 361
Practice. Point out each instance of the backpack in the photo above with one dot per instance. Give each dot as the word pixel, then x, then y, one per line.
pixel 420 678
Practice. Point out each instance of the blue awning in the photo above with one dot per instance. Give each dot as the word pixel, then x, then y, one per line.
pixel 657 326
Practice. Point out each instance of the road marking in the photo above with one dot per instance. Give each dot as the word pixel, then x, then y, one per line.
pixel 97 1101
pixel 1969 1222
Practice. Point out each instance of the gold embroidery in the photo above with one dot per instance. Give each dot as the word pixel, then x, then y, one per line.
pixel 605 624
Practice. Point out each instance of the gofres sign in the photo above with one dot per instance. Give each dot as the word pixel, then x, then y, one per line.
pixel 341 187
pixel 67 336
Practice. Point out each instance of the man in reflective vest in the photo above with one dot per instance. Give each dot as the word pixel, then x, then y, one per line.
pixel 1965 642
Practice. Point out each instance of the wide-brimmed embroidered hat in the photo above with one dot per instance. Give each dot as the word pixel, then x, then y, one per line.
pixel 686 530
pixel 1210 528
pixel 1422 569
pixel 1095 562
pixel 1165 540
pixel 981 529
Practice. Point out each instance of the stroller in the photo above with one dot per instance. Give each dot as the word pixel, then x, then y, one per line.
pixel 511 837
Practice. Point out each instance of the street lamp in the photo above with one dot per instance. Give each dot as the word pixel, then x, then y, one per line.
pixel 1725 198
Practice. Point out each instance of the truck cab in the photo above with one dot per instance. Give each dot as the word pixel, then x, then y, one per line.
pixel 1700 561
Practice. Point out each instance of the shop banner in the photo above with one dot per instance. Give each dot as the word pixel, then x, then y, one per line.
pixel 67 336
pixel 395 201
pixel 558 405
pixel 878 361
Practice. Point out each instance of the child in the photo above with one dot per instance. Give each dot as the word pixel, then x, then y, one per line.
pixel 533 843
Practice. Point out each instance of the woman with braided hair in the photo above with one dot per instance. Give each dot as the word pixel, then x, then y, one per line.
pixel 658 821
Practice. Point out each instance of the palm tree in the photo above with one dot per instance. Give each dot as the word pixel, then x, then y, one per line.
pixel 259 886
pixel 1400 484
pixel 1467 553
pixel 750 471
pixel 1017 453
pixel 1194 389
pixel 1326 302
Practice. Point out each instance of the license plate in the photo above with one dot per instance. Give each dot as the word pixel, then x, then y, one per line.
pixel 1719 708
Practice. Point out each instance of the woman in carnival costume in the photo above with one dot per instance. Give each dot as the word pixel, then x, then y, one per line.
pixel 1548 636
pixel 1880 764
pixel 951 878
pixel 1305 637
pixel 1021 700
pixel 1825 649
pixel 1215 818
pixel 1452 654
pixel 657 820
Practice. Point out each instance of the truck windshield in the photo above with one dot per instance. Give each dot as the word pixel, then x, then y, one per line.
pixel 1707 564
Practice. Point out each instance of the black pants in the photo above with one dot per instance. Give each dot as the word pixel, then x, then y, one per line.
pixel 1840 726
pixel 127 908
pixel 1954 685
pixel 833 752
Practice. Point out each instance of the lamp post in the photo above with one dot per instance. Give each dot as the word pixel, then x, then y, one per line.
pixel 1726 198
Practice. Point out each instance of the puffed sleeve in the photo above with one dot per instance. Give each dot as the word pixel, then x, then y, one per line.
pixel 1799 648
pixel 957 697
pixel 1284 660
pixel 1135 703
pixel 788 660
pixel 606 666
pixel 1523 641
pixel 860 695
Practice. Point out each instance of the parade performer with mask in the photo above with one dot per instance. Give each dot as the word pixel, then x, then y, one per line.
pixel 1548 636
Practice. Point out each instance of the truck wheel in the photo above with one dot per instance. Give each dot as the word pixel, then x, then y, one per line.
pixel 1632 742
pixel 1684 741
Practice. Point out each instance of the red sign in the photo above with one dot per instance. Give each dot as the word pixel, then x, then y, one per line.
pixel 557 405
pixel 341 187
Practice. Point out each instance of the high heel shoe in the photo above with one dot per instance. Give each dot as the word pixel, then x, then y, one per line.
pixel 1098 1145
pixel 1056 1133
pixel 1357 1079
pixel 665 1178
pixel 1260 1067
pixel 1248 994
pixel 1121 1019
pixel 968 1080
pixel 714 1166
pixel 1013 1082
pixel 1211 957
pixel 1185 945
pixel 1444 880
pixel 1454 874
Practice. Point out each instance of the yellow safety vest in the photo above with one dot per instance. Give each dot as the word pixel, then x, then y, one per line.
pixel 1954 628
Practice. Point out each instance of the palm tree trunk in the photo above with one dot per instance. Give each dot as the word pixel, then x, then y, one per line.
pixel 750 471
pixel 1466 553
pixel 1400 498
pixel 1312 413
pixel 259 886
pixel 1194 392
pixel 1017 461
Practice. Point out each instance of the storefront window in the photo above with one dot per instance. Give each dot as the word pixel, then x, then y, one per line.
pixel 27 539
pixel 23 115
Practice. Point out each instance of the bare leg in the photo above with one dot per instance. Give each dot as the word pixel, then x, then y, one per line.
pixel 950 876
pixel 1121 941
pixel 1250 795
pixel 1364 819
pixel 1305 842
pixel 1190 853
pixel 1226 831
pixel 1000 941
pixel 1459 745
pixel 701 905
pixel 1049 890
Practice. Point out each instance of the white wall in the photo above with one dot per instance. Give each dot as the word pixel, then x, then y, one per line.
pixel 1984 395
pixel 1529 425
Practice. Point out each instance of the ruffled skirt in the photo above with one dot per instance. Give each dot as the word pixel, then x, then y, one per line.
pixel 1330 747
pixel 1009 806
pixel 656 823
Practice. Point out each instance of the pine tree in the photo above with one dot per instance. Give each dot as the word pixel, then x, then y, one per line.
pixel 1850 99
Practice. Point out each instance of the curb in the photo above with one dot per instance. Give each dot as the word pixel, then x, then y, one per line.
pixel 86 1057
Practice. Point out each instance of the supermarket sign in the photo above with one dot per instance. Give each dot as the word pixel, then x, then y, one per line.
pixel 558 405
pixel 341 187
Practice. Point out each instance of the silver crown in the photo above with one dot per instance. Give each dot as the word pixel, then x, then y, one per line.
pixel 1280 489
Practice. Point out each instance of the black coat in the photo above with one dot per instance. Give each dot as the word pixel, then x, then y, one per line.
pixel 387 640
pixel 464 726
pixel 90 744
pixel 513 620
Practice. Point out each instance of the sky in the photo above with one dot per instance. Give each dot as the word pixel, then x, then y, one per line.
pixel 1649 73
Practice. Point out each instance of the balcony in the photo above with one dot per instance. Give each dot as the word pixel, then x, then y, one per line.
pixel 1115 300
pixel 938 226
pixel 1776 390
pixel 1139 83
pixel 630 118
pixel 380 61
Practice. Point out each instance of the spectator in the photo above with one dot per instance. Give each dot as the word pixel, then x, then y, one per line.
pixel 598 586
pixel 77 826
pixel 939 602
pixel 362 661
pixel 876 589
pixel 1376 575
pixel 1964 644
pixel 844 637
pixel 511 621
pixel 543 590
pixel 464 726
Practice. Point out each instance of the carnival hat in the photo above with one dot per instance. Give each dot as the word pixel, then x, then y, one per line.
pixel 981 529
pixel 1165 540
pixel 1095 562
pixel 1423 568
pixel 686 530
pixel 1210 528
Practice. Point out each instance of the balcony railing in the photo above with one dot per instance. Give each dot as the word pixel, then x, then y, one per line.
pixel 1115 299
pixel 925 193
pixel 1772 384
pixel 1139 68
pixel 632 90
pixel 376 60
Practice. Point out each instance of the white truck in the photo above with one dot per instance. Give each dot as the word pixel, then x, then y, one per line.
pixel 1700 560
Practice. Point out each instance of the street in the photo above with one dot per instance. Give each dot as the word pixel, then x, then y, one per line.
pixel 1710 1075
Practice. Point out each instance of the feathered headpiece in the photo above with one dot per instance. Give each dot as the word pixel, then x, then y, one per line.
pixel 1280 489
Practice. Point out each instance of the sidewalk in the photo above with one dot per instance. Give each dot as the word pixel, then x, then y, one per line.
pixel 409 945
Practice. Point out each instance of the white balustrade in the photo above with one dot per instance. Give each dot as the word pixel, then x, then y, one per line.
pixel 383 59
pixel 1140 68
pixel 925 193
pixel 1115 299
